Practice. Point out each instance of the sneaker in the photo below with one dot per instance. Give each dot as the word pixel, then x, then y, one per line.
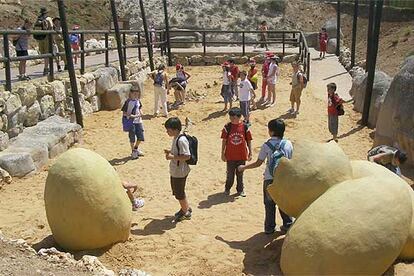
pixel 140 152
pixel 179 211
pixel 291 111
pixel 180 216
pixel 26 77
pixel 242 194
pixel 134 155
pixel 138 203
pixel 284 229
pixel 268 232
pixel 227 192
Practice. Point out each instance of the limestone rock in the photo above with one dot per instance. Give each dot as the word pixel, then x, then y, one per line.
pixel 88 85
pixel 106 78
pixel 210 60
pixel 86 206
pixel 85 105
pixel 395 124
pixel 4 122
pixel 197 60
pixel 47 106
pixel 27 93
pixel 312 39
pixel 314 168
pixel 15 122
pixel 408 251
pixel 347 230
pixel 331 48
pixel 290 58
pixel 33 115
pixel 43 88
pixel 95 103
pixel 58 89
pixel 182 60
pixel 241 60
pixel 13 103
pixel 382 83
pixel 68 88
pixel 116 96
pixel 4 140
pixel 17 164
pixel 331 28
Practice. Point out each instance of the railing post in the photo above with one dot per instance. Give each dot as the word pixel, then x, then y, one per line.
pixel 147 35
pixel 118 40
pixel 51 69
pixel 107 50
pixel 244 45
pixel 308 67
pixel 82 48
pixel 354 31
pixel 124 47
pixel 167 32
pixel 162 44
pixel 7 61
pixel 300 44
pixel 204 43
pixel 283 43
pixel 139 47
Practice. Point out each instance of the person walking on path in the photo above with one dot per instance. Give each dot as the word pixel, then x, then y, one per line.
pixel 263 28
pixel 335 109
pixel 160 79
pixel 272 150
pixel 58 41
pixel 21 42
pixel 297 87
pixel 323 42
pixel 43 23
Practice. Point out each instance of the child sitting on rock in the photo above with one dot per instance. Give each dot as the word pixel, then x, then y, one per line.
pixel 130 189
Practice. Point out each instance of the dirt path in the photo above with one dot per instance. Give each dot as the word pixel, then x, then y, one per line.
pixel 225 235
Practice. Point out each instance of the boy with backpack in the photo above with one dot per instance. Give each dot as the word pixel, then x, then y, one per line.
pixel 43 22
pixel 160 79
pixel 298 83
pixel 272 150
pixel 132 122
pixel 335 109
pixel 180 156
pixel 235 149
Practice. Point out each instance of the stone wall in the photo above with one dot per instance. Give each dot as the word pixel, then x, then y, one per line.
pixel 33 101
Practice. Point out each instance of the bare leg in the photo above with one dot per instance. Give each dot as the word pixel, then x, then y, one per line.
pixel 184 205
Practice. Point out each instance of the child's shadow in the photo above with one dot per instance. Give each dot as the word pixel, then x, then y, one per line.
pixel 214 115
pixel 119 161
pixel 287 115
pixel 215 199
pixel 156 226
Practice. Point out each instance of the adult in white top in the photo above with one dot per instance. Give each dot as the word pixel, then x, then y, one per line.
pixel 271 80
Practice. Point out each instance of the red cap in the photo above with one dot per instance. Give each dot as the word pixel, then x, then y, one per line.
pixel 75 27
pixel 178 66
pixel 226 64
pixel 268 54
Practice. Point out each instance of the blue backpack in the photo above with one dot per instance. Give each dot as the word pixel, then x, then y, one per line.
pixel 277 154
pixel 159 78
pixel 128 123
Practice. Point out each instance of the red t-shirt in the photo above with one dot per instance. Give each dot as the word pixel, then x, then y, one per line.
pixel 236 145
pixel 234 73
pixel 333 102
pixel 265 67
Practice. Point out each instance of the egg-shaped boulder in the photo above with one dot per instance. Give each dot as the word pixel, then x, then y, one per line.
pixel 313 169
pixel 357 227
pixel 86 206
pixel 408 251
pixel 364 168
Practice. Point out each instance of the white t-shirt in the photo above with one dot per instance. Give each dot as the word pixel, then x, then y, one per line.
pixel 266 152
pixel 272 74
pixel 226 77
pixel 180 169
pixel 245 88
pixel 131 105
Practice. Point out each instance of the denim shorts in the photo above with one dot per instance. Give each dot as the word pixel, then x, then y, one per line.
pixel 136 131
pixel 245 108
pixel 226 93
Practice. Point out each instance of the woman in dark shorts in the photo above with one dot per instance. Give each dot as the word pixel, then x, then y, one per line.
pixel 21 42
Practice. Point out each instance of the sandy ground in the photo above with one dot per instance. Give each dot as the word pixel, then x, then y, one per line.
pixel 225 235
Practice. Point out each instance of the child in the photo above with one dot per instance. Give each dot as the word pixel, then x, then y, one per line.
pixel 265 71
pixel 234 70
pixel 184 76
pixel 297 87
pixel 276 128
pixel 132 111
pixel 246 93
pixel 323 42
pixel 334 101
pixel 235 149
pixel 160 79
pixel 74 43
pixel 389 157
pixel 130 190
pixel 225 88
pixel 272 76
pixel 263 34
pixel 179 169
pixel 252 77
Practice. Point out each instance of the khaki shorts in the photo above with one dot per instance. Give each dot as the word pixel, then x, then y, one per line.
pixel 295 94
pixel 44 46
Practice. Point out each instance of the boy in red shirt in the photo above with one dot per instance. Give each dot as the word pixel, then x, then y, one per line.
pixel 234 70
pixel 323 42
pixel 334 107
pixel 235 149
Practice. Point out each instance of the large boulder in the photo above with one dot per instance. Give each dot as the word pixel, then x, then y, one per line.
pixel 364 168
pixel 106 78
pixel 312 39
pixel 395 124
pixel 331 28
pixel 331 48
pixel 314 168
pixel 116 96
pixel 357 227
pixel 382 83
pixel 408 250
pixel 86 206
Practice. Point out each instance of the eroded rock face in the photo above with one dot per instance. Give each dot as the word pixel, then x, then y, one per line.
pixel 395 124
pixel 86 206
pixel 314 168
pixel 346 231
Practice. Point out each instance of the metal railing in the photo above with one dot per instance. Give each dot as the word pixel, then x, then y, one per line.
pixel 285 38
pixel 292 38
pixel 7 59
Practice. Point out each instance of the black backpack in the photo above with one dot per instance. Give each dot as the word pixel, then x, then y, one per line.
pixel 193 145
pixel 40 24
